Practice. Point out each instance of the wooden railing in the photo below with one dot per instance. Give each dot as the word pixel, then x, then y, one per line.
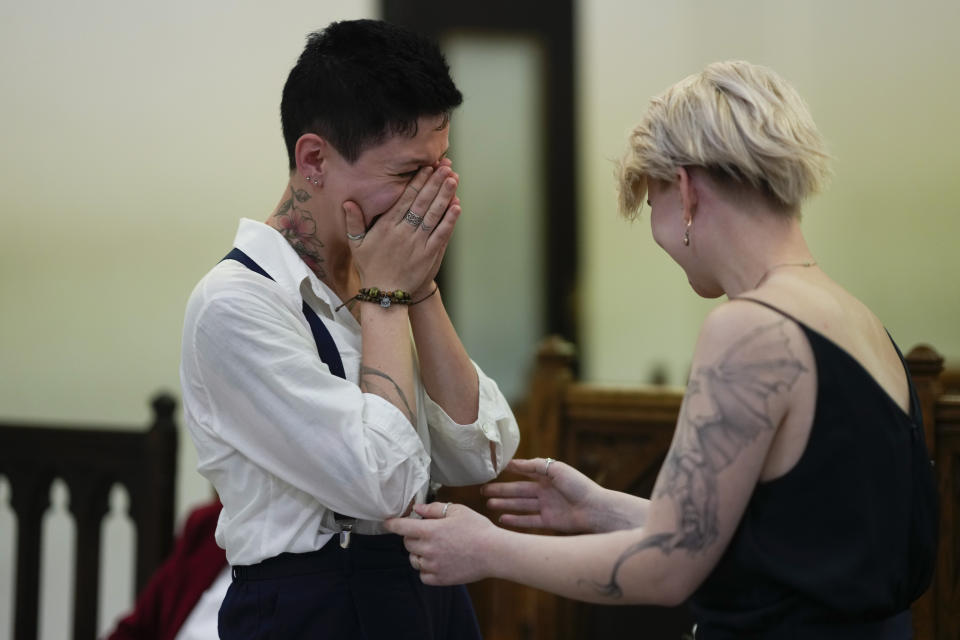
pixel 89 460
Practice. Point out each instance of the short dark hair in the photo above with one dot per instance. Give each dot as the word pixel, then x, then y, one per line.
pixel 359 81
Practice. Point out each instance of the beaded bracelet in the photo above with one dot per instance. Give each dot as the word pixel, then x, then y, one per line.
pixel 385 298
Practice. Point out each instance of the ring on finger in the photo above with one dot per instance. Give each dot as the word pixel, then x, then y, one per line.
pixel 443 513
pixel 356 236
pixel 427 227
pixel 412 219
pixel 416 561
pixel 546 467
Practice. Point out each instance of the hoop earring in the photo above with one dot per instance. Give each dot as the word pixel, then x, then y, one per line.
pixel 686 234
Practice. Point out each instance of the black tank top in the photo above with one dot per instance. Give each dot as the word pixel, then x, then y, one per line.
pixel 846 540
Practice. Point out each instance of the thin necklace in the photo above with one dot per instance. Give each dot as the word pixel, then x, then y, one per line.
pixel 783 264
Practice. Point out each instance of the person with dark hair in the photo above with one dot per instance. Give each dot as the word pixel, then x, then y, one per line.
pixel 324 386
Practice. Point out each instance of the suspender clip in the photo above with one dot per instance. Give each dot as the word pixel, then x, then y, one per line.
pixel 345 535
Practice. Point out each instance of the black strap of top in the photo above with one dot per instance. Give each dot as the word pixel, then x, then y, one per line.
pixel 916 415
pixel 326 347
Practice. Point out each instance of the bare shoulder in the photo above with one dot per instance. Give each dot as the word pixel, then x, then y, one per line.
pixel 741 329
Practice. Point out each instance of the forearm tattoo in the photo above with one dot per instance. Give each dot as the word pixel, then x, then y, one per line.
pixel 735 390
pixel 371 381
pixel 299 228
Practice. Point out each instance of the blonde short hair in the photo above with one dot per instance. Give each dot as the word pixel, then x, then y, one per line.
pixel 735 119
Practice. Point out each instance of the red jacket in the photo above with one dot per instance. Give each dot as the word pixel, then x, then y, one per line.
pixel 175 588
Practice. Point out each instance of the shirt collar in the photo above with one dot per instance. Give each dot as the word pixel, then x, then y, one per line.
pixel 269 249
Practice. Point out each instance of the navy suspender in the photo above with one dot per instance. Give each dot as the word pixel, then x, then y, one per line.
pixel 329 354
pixel 326 347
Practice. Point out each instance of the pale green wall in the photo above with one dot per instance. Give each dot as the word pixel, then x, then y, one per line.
pixel 135 134
pixel 881 79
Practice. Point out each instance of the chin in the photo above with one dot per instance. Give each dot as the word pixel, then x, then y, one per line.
pixel 710 292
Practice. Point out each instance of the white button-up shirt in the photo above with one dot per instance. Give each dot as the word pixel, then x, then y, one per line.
pixel 285 442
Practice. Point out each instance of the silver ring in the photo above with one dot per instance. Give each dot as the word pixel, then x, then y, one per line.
pixel 546 467
pixel 427 228
pixel 416 559
pixel 412 219
pixel 443 513
pixel 356 237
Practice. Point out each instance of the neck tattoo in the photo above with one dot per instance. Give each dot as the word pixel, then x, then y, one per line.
pixel 783 264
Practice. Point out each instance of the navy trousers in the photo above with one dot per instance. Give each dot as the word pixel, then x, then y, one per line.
pixel 368 591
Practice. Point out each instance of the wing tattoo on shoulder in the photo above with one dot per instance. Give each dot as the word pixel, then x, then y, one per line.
pixel 725 408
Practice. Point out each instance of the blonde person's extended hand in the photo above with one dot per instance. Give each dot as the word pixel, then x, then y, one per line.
pixel 557 497
pixel 451 545
pixel 404 249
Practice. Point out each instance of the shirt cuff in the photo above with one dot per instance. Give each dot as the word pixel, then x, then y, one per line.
pixel 383 417
pixel 483 430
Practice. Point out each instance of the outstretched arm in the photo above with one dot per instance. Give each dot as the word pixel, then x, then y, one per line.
pixel 746 369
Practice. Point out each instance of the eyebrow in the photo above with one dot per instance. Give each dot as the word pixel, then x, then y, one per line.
pixel 421 162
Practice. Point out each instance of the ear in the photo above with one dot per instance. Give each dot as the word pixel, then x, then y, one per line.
pixel 688 193
pixel 311 154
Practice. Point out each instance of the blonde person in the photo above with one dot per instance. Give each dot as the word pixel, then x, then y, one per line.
pixel 797 497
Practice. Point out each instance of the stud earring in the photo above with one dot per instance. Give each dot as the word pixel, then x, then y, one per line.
pixel 686 234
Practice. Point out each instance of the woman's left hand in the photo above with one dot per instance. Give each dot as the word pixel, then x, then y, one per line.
pixel 451 545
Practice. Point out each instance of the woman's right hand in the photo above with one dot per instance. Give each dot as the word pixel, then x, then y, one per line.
pixel 557 497
pixel 395 253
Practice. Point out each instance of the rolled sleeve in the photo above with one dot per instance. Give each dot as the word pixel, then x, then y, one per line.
pixel 461 453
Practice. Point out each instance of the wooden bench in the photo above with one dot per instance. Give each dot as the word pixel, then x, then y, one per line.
pixel 89 460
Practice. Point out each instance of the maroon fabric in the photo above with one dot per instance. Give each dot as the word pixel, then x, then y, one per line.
pixel 176 587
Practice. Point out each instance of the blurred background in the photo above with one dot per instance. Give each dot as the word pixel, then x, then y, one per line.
pixel 135 135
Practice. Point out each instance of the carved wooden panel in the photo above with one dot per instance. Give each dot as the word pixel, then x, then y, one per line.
pixel 89 460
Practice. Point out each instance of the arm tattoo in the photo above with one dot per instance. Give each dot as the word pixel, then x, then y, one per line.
pixel 299 228
pixel 736 389
pixel 369 384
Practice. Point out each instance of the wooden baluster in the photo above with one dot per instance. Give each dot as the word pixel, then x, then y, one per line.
pixel 925 365
pixel 553 372
pixel 947 576
pixel 154 520
pixel 88 504
pixel 542 419
pixel 29 499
